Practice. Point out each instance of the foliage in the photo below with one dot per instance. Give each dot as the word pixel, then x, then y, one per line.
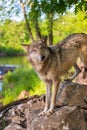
pixel 12 34
pixel 34 10
pixel 68 24
pixel 20 79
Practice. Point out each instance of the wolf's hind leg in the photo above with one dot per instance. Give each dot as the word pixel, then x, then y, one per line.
pixel 77 71
pixel 84 73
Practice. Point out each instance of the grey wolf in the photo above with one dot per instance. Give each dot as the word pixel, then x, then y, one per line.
pixel 50 63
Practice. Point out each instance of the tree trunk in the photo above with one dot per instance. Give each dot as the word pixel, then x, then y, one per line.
pixel 50 29
pixel 26 20
pixel 37 29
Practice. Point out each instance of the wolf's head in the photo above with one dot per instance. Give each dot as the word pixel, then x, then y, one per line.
pixel 38 52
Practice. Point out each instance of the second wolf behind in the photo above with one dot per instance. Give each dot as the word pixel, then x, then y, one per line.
pixel 54 61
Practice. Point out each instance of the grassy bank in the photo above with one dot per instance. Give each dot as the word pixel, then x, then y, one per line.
pixel 21 79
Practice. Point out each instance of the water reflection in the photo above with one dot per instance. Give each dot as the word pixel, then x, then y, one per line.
pixel 22 60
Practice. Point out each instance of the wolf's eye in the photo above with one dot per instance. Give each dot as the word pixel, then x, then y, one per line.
pixel 34 50
pixel 41 48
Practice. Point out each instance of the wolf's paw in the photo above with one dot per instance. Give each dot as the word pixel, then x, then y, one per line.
pixel 49 112
pixel 46 113
pixel 42 113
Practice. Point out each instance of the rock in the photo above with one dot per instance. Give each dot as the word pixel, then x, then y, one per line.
pixel 70 112
pixel 13 126
pixel 69 117
pixel 64 118
pixel 72 94
pixel 82 77
pixel 16 115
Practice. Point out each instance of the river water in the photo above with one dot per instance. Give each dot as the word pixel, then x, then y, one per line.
pixel 18 61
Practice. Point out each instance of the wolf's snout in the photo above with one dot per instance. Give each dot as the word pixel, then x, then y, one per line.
pixel 41 58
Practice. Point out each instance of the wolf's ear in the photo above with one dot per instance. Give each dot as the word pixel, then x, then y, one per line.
pixel 26 47
pixel 44 39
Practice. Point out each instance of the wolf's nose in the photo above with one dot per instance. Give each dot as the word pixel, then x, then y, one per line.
pixel 42 58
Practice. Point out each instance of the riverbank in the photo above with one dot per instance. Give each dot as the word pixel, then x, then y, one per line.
pixel 3 54
pixel 12 50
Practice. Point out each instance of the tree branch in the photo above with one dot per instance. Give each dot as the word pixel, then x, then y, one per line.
pixel 26 20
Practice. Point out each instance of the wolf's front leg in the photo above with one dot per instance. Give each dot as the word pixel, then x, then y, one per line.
pixel 48 96
pixel 53 99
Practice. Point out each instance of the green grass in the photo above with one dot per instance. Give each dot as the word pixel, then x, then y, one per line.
pixel 21 79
